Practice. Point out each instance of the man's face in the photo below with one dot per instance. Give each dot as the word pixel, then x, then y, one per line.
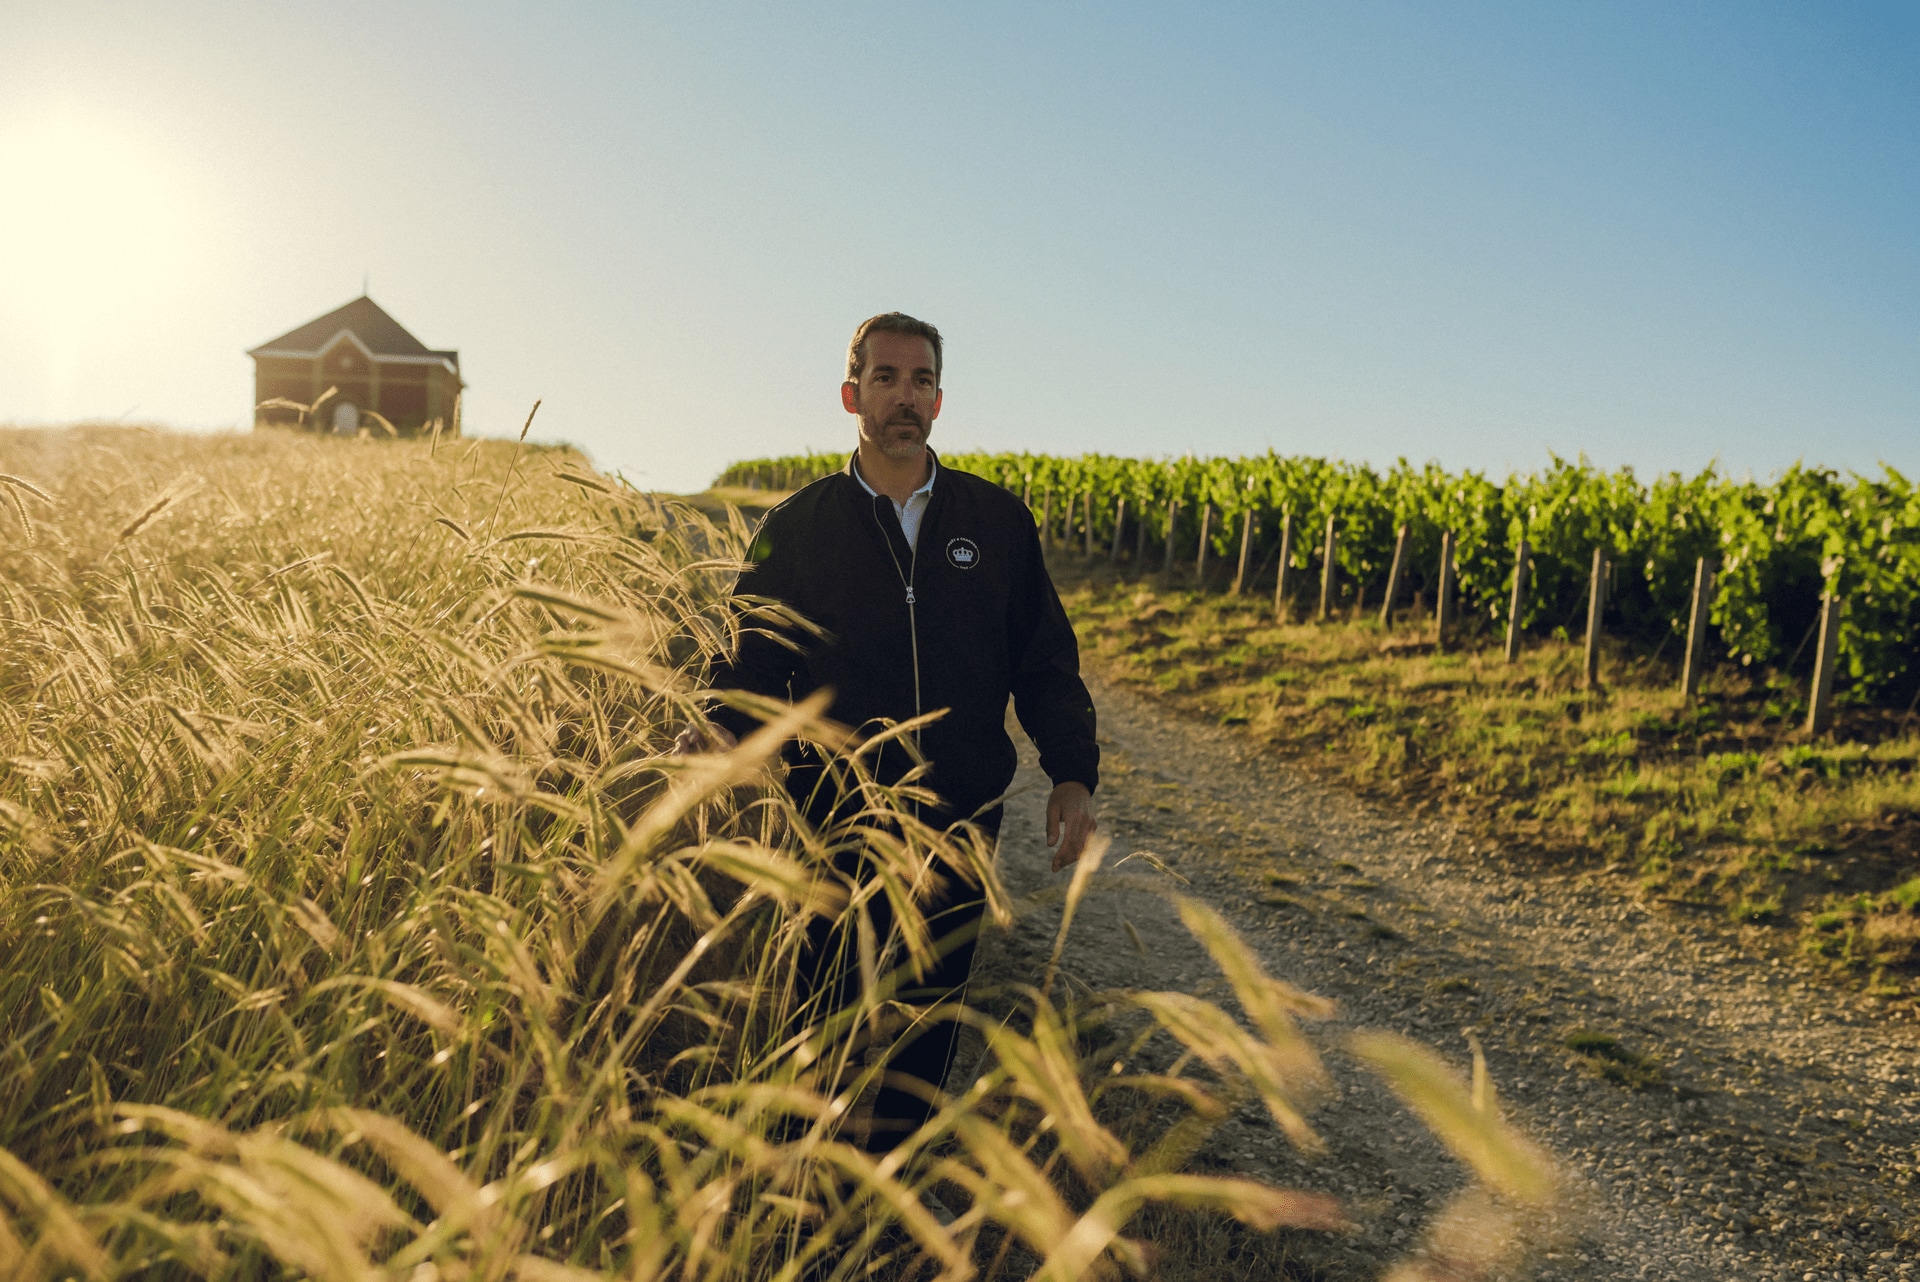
pixel 896 398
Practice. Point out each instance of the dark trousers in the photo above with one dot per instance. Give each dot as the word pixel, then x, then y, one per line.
pixel 918 1061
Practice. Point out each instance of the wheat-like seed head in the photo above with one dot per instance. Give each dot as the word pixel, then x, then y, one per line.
pixel 360 922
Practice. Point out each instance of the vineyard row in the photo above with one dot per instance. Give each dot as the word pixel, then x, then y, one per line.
pixel 1775 549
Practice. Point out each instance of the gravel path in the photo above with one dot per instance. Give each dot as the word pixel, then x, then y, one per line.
pixel 1773 1133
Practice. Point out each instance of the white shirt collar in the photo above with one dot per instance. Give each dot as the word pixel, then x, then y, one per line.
pixel 933 468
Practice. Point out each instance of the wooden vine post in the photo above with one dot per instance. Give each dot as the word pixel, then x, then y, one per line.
pixel 1697 629
pixel 1393 578
pixel 1517 605
pixel 1173 518
pixel 1140 545
pixel 1820 706
pixel 1246 546
pixel 1286 561
pixel 1026 493
pixel 1443 594
pixel 1327 579
pixel 1200 558
pixel 1596 606
pixel 1119 524
pixel 1046 520
pixel 1089 543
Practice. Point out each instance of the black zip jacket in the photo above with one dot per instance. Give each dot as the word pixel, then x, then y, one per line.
pixel 961 622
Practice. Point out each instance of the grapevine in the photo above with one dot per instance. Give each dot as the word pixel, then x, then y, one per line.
pixel 1778 545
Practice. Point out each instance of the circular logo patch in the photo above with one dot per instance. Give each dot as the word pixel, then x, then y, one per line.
pixel 964 554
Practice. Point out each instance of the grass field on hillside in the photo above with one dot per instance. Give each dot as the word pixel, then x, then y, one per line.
pixel 358 923
pixel 1724 805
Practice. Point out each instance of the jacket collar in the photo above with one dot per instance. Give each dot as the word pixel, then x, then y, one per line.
pixel 933 473
pixel 882 521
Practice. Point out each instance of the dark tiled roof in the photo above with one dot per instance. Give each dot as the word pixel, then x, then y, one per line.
pixel 383 335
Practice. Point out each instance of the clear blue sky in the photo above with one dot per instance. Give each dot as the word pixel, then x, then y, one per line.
pixel 1659 234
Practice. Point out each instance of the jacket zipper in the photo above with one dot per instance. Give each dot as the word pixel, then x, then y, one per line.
pixel 913 629
pixel 913 626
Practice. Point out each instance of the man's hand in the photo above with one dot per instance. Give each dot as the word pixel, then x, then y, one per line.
pixel 697 738
pixel 1070 822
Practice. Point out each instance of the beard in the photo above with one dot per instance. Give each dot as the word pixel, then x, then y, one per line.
pixel 901 437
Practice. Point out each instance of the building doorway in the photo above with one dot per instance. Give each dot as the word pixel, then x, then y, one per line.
pixel 346 419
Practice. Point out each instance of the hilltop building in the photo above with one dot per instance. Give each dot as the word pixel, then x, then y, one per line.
pixel 370 360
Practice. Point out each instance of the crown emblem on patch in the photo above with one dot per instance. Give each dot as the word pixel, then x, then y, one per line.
pixel 963 554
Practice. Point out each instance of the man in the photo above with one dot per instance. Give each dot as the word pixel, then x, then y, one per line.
pixel 931 593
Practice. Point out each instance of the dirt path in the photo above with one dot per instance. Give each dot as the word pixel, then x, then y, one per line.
pixel 1778 1140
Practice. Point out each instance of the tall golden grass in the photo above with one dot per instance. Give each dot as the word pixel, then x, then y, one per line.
pixel 357 921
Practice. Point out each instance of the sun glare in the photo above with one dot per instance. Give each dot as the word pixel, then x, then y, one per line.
pixel 96 234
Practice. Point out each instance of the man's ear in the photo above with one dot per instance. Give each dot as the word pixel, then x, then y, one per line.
pixel 938 396
pixel 849 396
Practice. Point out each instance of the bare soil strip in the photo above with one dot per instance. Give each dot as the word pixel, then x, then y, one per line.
pixel 1725 1117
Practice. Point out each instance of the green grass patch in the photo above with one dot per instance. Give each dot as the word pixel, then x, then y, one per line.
pixel 1720 803
pixel 1607 1056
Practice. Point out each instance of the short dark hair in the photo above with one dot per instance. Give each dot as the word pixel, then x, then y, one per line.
pixel 889 323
